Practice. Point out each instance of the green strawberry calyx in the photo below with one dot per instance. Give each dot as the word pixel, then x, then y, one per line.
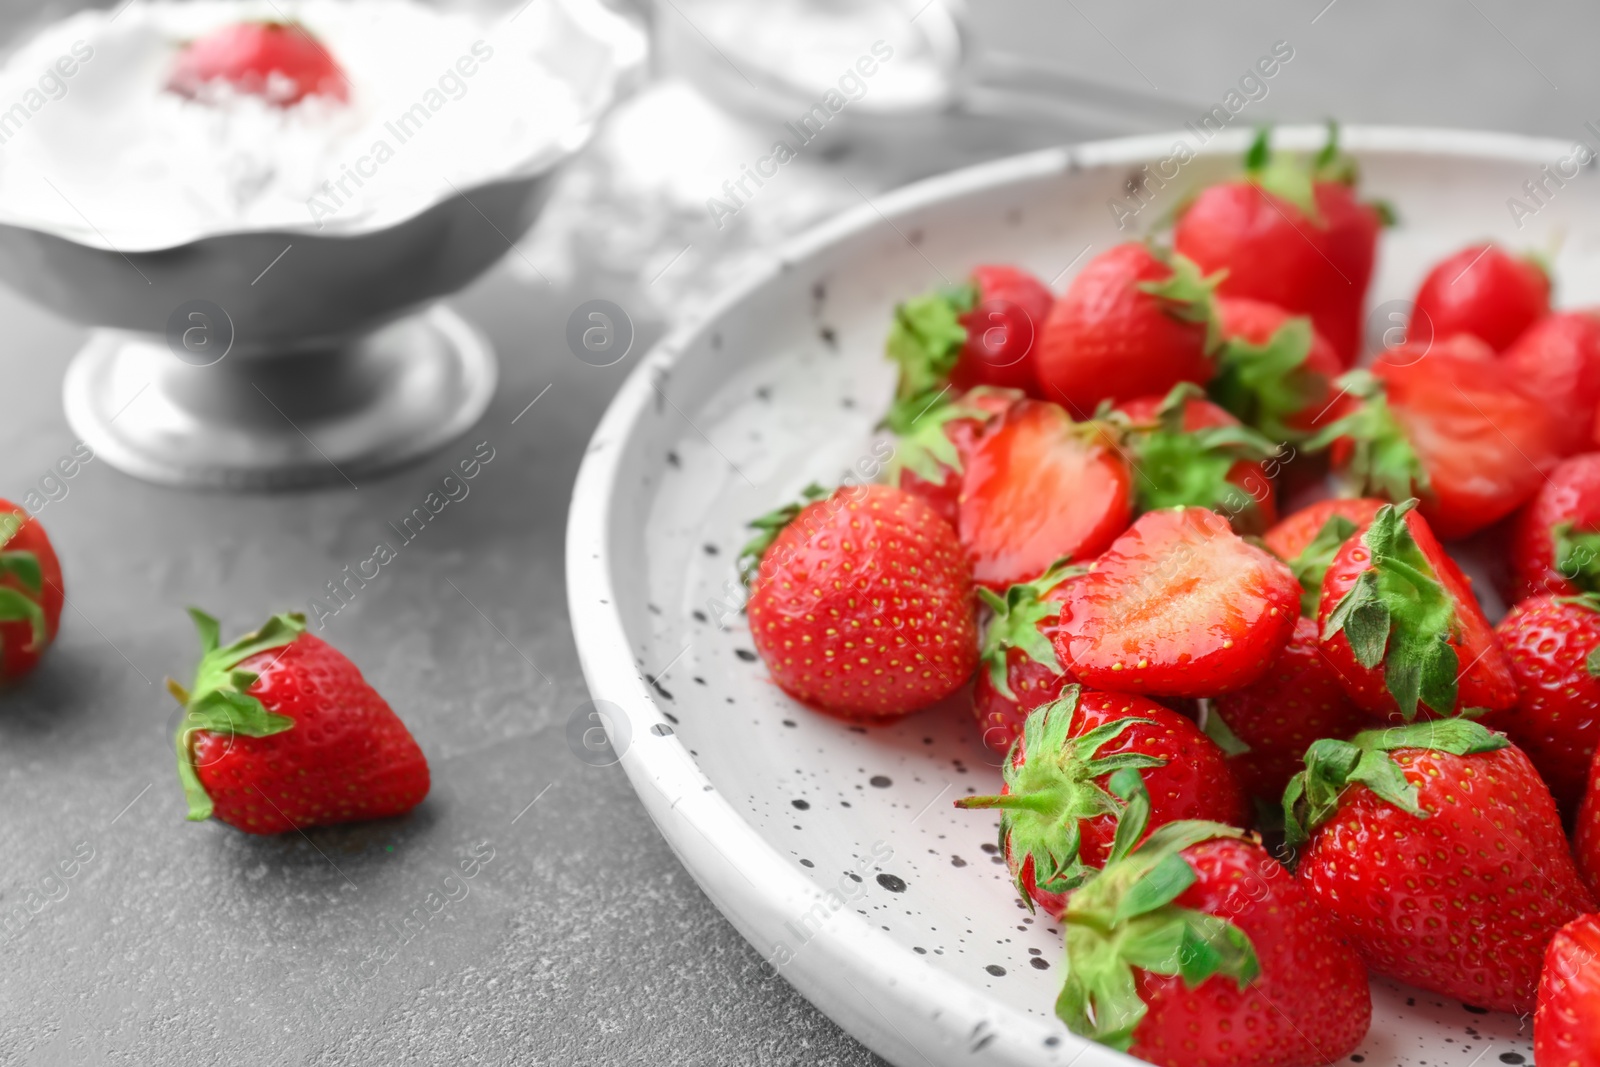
pixel 1399 616
pixel 1014 623
pixel 1313 562
pixel 1053 787
pixel 219 701
pixel 1294 179
pixel 926 337
pixel 769 526
pixel 1188 295
pixel 1382 461
pixel 920 422
pixel 21 605
pixel 1127 918
pixel 1267 385
pixel 1577 555
pixel 1190 468
pixel 1333 766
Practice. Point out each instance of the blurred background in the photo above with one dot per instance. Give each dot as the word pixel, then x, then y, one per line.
pixel 584 941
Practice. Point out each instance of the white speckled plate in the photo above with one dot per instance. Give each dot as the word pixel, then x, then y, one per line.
pixel 835 850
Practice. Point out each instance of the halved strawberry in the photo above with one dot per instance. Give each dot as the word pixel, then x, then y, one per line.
pixel 280 61
pixel 1058 816
pixel 1485 291
pixel 981 332
pixel 1188 452
pixel 1309 539
pixel 1448 426
pixel 1180 606
pixel 1018 670
pixel 1555 543
pixel 934 434
pixel 1274 370
pixel 1291 233
pixel 1401 627
pixel 1038 489
pixel 1130 324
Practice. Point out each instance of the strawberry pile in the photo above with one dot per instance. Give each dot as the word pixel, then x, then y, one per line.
pixel 1190 555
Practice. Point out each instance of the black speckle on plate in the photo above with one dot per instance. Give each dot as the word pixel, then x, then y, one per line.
pixel 996 970
pixel 661 729
pixel 807 863
pixel 699 616
pixel 880 781
pixel 789 722
pixel 1512 1057
pixel 990 847
pixel 803 805
pixel 892 883
pixel 1474 1009
pixel 672 458
pixel 710 550
pixel 957 861
pixel 764 394
pixel 673 719
pixel 829 337
pixel 745 654
pixel 1038 964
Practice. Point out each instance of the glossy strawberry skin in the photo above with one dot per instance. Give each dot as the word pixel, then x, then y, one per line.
pixel 1564 1032
pixel 1485 680
pixel 1586 831
pixel 1556 720
pixel 1298 700
pixel 945 496
pixel 18 653
pixel 1040 488
pixel 1310 1004
pixel 1000 717
pixel 863 605
pixel 1106 339
pixel 1002 329
pixel 1195 783
pixel 1290 537
pixel 281 62
pixel 1274 253
pixel 1177 606
pixel 1202 414
pixel 1255 321
pixel 1556 363
pixel 348 757
pixel 1570 495
pixel 1482 290
pixel 1464 902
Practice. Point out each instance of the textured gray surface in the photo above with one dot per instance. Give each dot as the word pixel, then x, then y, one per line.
pixel 581 940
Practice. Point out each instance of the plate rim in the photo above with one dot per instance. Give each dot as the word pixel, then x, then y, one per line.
pixel 687 808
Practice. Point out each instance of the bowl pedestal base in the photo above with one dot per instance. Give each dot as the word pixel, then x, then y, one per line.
pixel 278 420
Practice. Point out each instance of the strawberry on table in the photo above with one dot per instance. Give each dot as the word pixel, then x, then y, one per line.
pixel 1565 1033
pixel 935 433
pixel 1290 233
pixel 1017 666
pixel 861 602
pixel 1448 426
pixel 1274 370
pixel 1058 818
pixel 280 61
pixel 1188 452
pixel 1197 949
pixel 1309 539
pixel 1555 542
pixel 1040 488
pixel 1177 606
pixel 282 732
pixel 1553 644
pixel 1266 727
pixel 1557 364
pixel 981 332
pixel 31 592
pixel 1401 627
pixel 1437 850
pixel 1133 322
pixel 1485 291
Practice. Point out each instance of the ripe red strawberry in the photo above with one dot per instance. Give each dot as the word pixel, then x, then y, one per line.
pixel 1040 488
pixel 861 602
pixel 1555 542
pixel 1291 234
pixel 935 434
pixel 280 61
pixel 1058 818
pixel 1448 426
pixel 1309 539
pixel 1437 850
pixel 1188 452
pixel 1199 950
pixel 1266 727
pixel 1485 291
pixel 31 592
pixel 1018 668
pixel 1401 627
pixel 1554 648
pixel 1129 324
pixel 1564 1031
pixel 1177 606
pixel 1274 371
pixel 1586 831
pixel 981 332
pixel 1557 364
pixel 282 733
